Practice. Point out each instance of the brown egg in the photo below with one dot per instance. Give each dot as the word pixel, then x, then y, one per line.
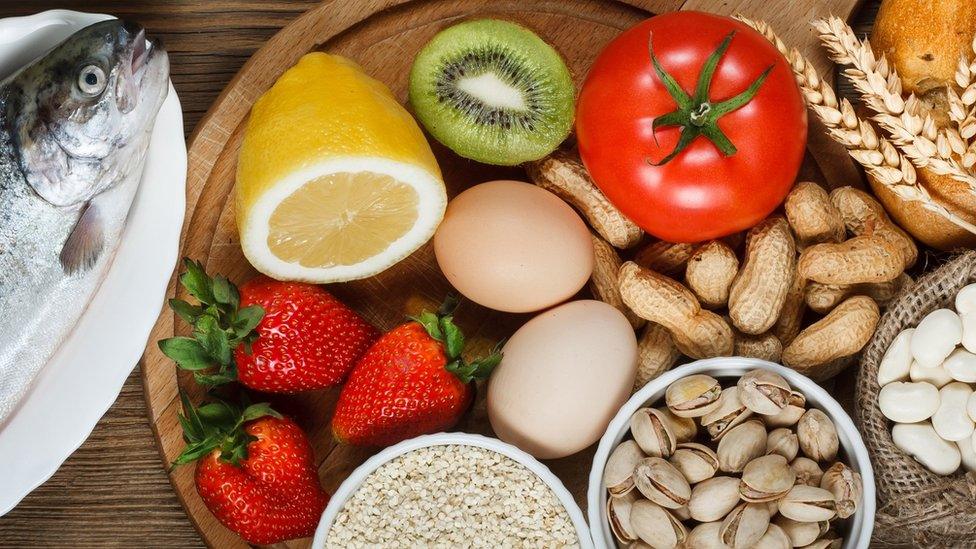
pixel 513 247
pixel 563 377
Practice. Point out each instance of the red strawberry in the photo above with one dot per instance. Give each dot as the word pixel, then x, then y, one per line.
pixel 255 471
pixel 280 337
pixel 306 340
pixel 411 382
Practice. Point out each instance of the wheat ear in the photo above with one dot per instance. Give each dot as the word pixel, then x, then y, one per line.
pixel 880 157
pixel 962 104
pixel 906 119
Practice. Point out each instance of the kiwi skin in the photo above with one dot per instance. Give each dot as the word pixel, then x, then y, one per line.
pixel 500 135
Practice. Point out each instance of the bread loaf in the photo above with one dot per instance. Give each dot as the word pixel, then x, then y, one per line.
pixel 923 40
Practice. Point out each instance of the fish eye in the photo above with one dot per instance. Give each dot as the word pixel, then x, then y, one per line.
pixel 91 80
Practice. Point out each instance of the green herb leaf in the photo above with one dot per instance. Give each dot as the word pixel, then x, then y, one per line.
pixel 187 352
pixel 196 281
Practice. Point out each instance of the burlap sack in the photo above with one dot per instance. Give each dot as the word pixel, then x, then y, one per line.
pixel 915 507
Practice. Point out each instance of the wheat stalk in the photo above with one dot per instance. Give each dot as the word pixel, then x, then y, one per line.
pixel 962 104
pixel 907 120
pixel 878 155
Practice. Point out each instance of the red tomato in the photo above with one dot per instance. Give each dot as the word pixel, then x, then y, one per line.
pixel 701 193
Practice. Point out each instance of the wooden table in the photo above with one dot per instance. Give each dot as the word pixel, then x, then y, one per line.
pixel 112 492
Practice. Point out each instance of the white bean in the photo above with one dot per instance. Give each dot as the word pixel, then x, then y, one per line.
pixel 969 331
pixel 961 366
pixel 897 360
pixel 920 441
pixel 951 420
pixel 936 336
pixel 966 300
pixel 971 409
pixel 903 402
pixel 968 453
pixel 937 376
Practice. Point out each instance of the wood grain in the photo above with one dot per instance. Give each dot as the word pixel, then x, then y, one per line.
pixel 113 492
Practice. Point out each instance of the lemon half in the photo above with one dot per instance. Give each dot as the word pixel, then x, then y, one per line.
pixel 335 180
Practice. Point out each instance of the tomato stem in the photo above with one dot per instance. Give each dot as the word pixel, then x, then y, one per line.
pixel 698 115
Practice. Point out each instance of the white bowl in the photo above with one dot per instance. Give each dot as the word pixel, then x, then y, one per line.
pixel 852 446
pixel 355 480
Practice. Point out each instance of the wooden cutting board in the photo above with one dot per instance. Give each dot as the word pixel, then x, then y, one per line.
pixel 384 36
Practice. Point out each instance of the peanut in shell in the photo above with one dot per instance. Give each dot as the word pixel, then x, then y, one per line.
pixel 761 287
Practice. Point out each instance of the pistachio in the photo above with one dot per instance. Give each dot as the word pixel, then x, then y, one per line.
pixel 774 538
pixel 730 412
pixel 745 525
pixel 618 476
pixel 830 541
pixel 712 499
pixel 661 483
pixel 706 536
pixel 682 513
pixel 808 504
pixel 618 515
pixel 655 526
pixel 817 436
pixel 684 428
pixel 696 462
pixel 740 445
pixel 764 392
pixel 784 442
pixel 807 471
pixel 693 396
pixel 773 508
pixel 790 414
pixel 801 533
pixel 766 478
pixel 845 484
pixel 652 433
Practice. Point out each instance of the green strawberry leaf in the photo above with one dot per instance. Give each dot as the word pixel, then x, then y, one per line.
pixel 218 425
pixel 196 281
pixel 477 369
pixel 247 320
pixel 260 409
pixel 189 313
pixel 214 380
pixel 431 324
pixel 187 352
pixel 219 414
pixel 453 338
pixel 225 293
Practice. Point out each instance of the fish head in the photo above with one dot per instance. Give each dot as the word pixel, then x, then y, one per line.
pixel 83 113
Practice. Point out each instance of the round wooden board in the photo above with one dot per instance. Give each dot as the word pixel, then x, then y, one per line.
pixel 384 36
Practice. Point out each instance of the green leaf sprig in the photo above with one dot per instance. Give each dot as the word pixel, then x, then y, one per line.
pixel 440 326
pixel 219 324
pixel 218 424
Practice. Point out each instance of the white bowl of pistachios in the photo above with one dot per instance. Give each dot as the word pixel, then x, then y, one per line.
pixel 732 452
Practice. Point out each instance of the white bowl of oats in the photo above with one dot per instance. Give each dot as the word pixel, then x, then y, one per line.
pixel 452 490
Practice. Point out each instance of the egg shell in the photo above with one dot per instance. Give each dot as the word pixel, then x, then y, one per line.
pixel 513 247
pixel 564 375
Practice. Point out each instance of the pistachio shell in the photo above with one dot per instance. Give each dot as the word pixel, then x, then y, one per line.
pixel 829 542
pixel 790 414
pixel 745 525
pixel 774 538
pixel 684 428
pixel 693 396
pixel 696 462
pixel 808 504
pixel 801 533
pixel 661 483
pixel 807 471
pixel 712 499
pixel 618 475
pixel 656 526
pixel 784 442
pixel 817 436
pixel 740 445
pixel 706 535
pixel 618 515
pixel 766 478
pixel 764 392
pixel 652 432
pixel 730 412
pixel 845 484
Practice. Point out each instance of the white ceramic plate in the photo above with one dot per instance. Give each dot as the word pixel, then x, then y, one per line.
pixel 84 378
pixel 356 479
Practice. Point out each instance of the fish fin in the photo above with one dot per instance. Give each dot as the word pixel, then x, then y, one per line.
pixel 85 243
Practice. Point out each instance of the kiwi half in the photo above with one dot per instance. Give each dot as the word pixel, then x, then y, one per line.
pixel 493 91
